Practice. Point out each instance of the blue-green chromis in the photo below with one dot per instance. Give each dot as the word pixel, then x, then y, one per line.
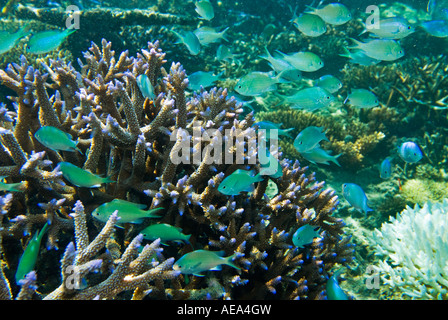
pixel 165 232
pixel 203 260
pixel 356 197
pixel 128 212
pixel 239 181
pixel 80 177
pixel 334 291
pixel 46 41
pixel 305 235
pixel 56 139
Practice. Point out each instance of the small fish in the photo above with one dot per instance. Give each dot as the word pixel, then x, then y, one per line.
pixel 268 125
pixel 392 28
pixel 319 155
pixel 207 35
pixel 201 78
pixel 240 180
pixel 10 40
pixel 165 232
pixel 56 139
pixel 47 41
pixel 310 24
pixel 410 152
pixel 28 259
pixel 80 177
pixel 334 291
pixel 309 138
pixel 359 57
pixel 329 83
pixel 362 98
pixel 333 13
pixel 305 235
pixel 223 53
pixel 145 86
pixel 303 61
pixel 436 28
pixel 199 261
pixel 356 197
pixel 385 169
pixel 310 99
pixel 380 49
pixel 12 187
pixel 269 165
pixel 277 64
pixel 257 83
pixel 205 9
pixel 190 40
pixel 129 212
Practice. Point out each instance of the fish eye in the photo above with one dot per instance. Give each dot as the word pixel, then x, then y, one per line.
pixel 328 98
pixel 409 27
pixel 239 87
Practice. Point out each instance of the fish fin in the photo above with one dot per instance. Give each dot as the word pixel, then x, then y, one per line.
pixel 346 53
pixel 151 212
pixel 229 261
pixel 198 275
pixel 217 268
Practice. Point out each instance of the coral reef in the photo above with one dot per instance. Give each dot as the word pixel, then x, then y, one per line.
pixel 166 153
pixel 414 247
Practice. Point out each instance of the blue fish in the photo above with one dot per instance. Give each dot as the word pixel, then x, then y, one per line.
pixel 240 180
pixel 436 28
pixel 385 169
pixel 334 291
pixel 410 152
pixel 356 197
pixel 305 235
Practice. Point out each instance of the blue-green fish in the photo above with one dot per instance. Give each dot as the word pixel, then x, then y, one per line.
pixel 80 177
pixel 309 138
pixel 56 139
pixel 129 212
pixel 392 28
pixel 145 86
pixel 190 40
pixel 9 40
pixel 333 13
pixel 356 197
pixel 165 232
pixel 203 260
pixel 436 28
pixel 305 235
pixel 310 24
pixel 11 187
pixel 362 98
pixel 223 53
pixel 202 78
pixel 256 83
pixel 29 257
pixel 329 83
pixel 410 152
pixel 240 180
pixel 359 57
pixel 380 49
pixel 47 41
pixel 385 169
pixel 276 63
pixel 310 99
pixel 303 61
pixel 207 35
pixel 319 155
pixel 205 9
pixel 268 125
pixel 334 291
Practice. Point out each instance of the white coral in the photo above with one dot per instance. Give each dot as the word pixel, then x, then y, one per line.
pixel 415 250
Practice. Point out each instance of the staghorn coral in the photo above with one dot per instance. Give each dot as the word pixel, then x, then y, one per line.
pixel 172 151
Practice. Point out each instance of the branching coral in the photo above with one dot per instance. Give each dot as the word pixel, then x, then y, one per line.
pixel 169 152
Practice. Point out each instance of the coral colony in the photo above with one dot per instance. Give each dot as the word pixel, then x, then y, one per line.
pixel 169 153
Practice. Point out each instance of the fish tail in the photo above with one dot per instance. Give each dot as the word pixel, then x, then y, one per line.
pixel 224 35
pixel 258 178
pixel 346 53
pixel 108 179
pixel 229 261
pixel 335 161
pixel 288 132
pixel 152 212
pixel 357 44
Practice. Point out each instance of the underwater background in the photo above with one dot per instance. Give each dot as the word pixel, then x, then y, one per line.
pixel 356 208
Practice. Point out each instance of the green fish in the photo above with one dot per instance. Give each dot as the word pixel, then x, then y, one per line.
pixel 310 99
pixel 362 98
pixel 309 138
pixel 310 25
pixel 333 13
pixel 268 125
pixel 29 257
pixel 129 212
pixel 207 35
pixel 380 49
pixel 334 291
pixel 165 232
pixel 240 180
pixel 329 83
pixel 47 41
pixel 11 187
pixel 305 235
pixel 256 83
pixel 319 155
pixel 56 139
pixel 223 53
pixel 202 78
pixel 9 40
pixel 80 177
pixel 205 9
pixel 190 40
pixel 359 57
pixel 277 64
pixel 303 61
pixel 203 260
pixel 391 28
pixel 145 86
